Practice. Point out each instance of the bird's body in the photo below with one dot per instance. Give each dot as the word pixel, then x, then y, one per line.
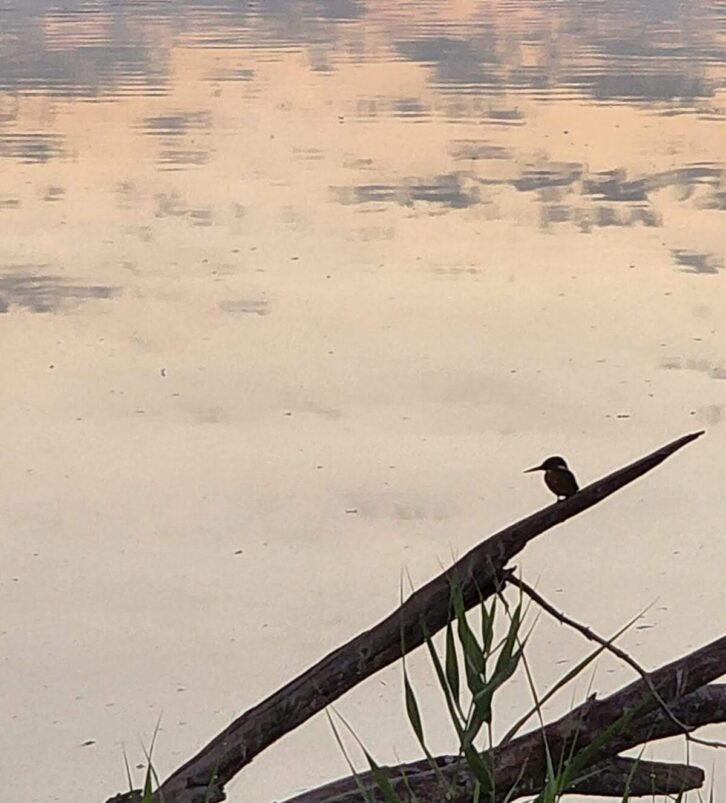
pixel 558 478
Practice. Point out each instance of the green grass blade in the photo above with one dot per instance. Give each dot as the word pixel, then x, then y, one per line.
pixel 150 778
pixel 364 791
pixel 503 673
pixel 382 782
pixel 452 666
pixel 474 663
pixel 157 782
pixel 471 649
pixel 147 795
pixel 418 730
pixel 414 716
pixel 480 769
pixel 441 677
pixel 505 655
pixel 128 770
pixel 481 713
pixel 487 626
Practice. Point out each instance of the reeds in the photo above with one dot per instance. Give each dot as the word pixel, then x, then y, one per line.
pixel 471 668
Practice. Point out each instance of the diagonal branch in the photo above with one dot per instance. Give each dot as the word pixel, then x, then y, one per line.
pixel 479 573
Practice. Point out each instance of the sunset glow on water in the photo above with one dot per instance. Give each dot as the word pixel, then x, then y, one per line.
pixel 290 295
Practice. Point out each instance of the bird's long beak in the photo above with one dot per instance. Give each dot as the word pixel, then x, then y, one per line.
pixel 536 468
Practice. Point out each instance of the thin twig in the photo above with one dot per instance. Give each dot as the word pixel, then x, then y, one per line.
pixel 589 634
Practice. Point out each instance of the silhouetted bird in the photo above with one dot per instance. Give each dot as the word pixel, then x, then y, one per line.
pixel 558 478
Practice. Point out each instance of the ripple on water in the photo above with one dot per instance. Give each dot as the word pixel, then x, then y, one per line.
pixel 30 288
pixel 662 53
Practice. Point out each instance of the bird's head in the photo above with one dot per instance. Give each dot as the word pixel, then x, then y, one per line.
pixel 550 464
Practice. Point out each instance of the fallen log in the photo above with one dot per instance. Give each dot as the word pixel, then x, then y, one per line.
pixel 519 768
pixel 614 778
pixel 627 776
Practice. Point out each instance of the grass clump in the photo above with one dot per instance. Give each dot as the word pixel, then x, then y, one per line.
pixel 470 668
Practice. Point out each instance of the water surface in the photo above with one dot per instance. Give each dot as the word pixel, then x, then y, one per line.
pixel 290 293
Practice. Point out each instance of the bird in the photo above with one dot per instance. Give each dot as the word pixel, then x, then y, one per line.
pixel 558 477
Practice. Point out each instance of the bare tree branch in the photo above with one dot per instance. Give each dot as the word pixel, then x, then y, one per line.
pixel 478 574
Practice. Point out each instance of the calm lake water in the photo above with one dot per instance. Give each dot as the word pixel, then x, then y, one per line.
pixel 290 294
